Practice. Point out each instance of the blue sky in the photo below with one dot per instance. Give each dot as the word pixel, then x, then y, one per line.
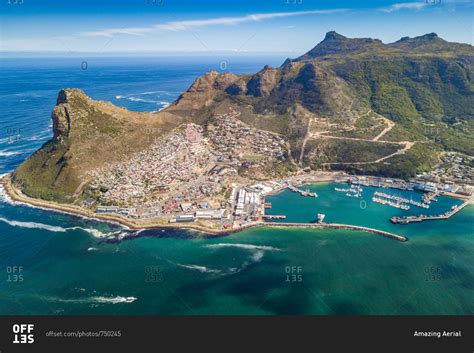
pixel 208 27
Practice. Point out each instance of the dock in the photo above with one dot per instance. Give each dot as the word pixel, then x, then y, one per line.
pixel 302 192
pixel 269 216
pixel 421 218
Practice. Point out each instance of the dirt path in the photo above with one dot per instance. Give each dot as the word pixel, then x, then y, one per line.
pixel 407 146
pixel 390 124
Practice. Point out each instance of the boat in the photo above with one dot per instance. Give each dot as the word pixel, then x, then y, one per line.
pixel 320 217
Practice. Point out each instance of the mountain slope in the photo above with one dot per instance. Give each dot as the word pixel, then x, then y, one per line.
pixel 353 104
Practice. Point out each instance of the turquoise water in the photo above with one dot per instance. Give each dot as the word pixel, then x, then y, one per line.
pixel 183 273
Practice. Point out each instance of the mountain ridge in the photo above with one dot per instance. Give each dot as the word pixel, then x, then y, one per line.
pixel 353 104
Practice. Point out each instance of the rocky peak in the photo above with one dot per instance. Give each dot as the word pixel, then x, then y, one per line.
pixel 262 83
pixel 335 43
pixel 213 80
pixel 61 112
pixel 426 41
pixel 333 35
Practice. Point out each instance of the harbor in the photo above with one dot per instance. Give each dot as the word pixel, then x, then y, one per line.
pixel 420 218
pixel 369 211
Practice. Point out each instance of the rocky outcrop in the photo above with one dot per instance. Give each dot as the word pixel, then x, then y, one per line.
pixel 334 43
pixel 212 80
pixel 262 83
pixel 61 115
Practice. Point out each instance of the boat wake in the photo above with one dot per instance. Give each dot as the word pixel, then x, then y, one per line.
pixel 96 300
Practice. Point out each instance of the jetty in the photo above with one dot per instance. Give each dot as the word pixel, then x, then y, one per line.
pixel 421 218
pixel 338 226
pixel 302 192
pixel 269 216
pixel 401 199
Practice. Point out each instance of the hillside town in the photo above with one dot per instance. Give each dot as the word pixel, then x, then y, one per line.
pixel 193 175
pixel 187 172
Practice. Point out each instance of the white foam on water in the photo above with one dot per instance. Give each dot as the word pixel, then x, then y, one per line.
pixel 257 254
pixel 199 268
pixel 5 198
pixel 243 246
pixel 34 225
pixel 92 249
pixel 8 153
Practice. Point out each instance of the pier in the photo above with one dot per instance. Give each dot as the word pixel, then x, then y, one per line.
pixel 269 216
pixel 301 192
pixel 400 199
pixel 420 218
pixel 338 226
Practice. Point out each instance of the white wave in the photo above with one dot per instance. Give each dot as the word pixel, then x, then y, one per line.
pixel 6 199
pixel 92 249
pixel 9 153
pixel 33 225
pixel 155 92
pixel 135 99
pixel 38 137
pixel 164 105
pixel 94 232
pixel 243 246
pixel 199 268
pixel 14 153
pixel 257 256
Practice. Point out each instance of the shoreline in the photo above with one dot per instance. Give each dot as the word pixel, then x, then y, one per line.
pixel 17 196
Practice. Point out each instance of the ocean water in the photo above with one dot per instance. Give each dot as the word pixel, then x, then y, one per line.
pixel 53 263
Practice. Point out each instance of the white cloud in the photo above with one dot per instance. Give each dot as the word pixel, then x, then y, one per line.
pixel 191 24
pixel 405 6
